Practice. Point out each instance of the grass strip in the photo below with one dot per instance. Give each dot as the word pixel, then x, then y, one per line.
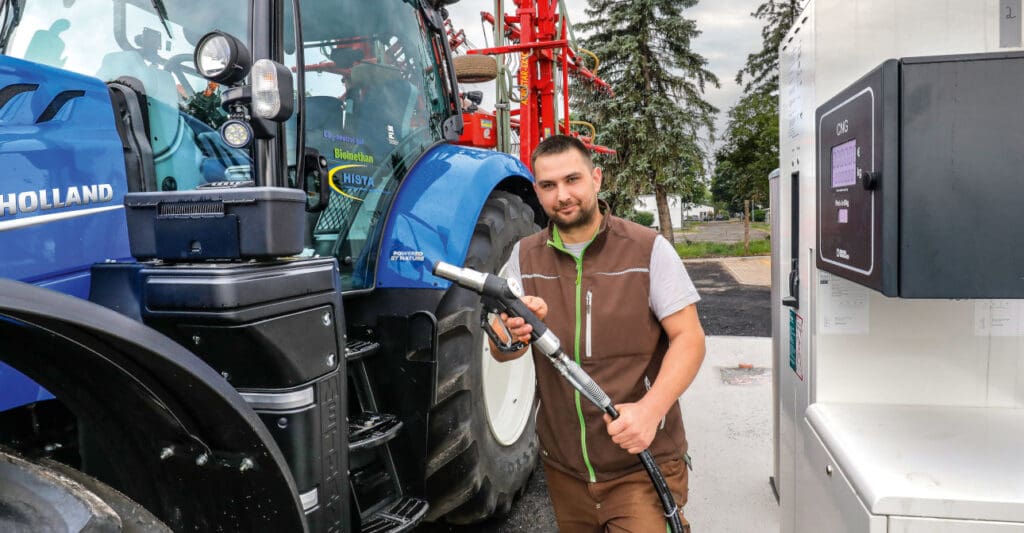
pixel 697 249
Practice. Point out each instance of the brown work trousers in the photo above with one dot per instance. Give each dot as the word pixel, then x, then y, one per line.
pixel 626 504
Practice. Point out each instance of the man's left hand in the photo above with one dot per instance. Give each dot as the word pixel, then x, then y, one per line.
pixel 635 427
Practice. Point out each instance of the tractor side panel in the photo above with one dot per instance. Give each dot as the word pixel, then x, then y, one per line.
pixel 62 177
pixel 434 214
pixel 62 181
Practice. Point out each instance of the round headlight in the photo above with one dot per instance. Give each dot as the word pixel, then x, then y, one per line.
pixel 236 133
pixel 214 56
pixel 222 58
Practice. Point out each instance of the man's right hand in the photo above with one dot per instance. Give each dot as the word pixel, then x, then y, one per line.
pixel 517 326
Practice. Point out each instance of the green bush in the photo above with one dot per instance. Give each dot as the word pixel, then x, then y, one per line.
pixel 644 218
pixel 758 215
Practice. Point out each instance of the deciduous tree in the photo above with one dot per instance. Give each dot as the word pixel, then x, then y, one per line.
pixel 749 153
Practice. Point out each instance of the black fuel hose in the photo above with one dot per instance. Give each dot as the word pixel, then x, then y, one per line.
pixel 501 297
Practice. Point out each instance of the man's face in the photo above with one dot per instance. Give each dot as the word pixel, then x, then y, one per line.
pixel 567 186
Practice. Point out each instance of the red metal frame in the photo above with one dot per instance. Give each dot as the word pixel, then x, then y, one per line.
pixel 540 36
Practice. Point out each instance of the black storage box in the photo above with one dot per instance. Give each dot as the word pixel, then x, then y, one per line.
pixel 275 331
pixel 216 223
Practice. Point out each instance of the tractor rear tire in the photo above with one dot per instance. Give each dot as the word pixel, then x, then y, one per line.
pixel 477 463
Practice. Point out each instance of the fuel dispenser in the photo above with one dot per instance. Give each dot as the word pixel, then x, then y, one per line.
pixel 898 268
pixel 919 178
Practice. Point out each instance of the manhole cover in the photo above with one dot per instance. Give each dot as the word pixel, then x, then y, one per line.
pixel 745 376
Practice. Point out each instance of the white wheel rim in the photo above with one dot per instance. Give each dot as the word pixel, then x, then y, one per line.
pixel 509 389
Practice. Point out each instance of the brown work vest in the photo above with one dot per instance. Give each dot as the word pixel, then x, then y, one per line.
pixel 599 308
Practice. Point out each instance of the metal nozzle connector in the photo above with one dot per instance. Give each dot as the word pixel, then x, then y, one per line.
pixel 465 277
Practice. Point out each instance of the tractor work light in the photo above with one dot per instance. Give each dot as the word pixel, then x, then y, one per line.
pixel 272 93
pixel 236 133
pixel 222 58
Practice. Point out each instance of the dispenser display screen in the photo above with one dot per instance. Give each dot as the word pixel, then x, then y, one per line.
pixel 844 164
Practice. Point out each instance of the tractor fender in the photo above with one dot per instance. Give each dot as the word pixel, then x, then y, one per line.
pixel 434 213
pixel 175 436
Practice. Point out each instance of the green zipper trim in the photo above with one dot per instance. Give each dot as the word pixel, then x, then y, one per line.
pixel 557 244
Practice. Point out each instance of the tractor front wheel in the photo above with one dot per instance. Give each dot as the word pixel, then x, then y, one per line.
pixel 482 443
pixel 49 496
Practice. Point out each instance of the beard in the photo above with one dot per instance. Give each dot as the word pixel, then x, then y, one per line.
pixel 581 218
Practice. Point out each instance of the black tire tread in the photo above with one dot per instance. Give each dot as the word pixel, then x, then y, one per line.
pixel 460 492
pixel 134 517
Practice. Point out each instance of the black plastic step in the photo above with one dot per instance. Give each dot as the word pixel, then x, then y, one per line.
pixel 367 430
pixel 356 349
pixel 403 515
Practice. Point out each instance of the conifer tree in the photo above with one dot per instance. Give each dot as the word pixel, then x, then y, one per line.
pixel 762 68
pixel 751 142
pixel 658 110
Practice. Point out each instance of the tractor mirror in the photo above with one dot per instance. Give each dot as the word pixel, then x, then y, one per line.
pixel 316 182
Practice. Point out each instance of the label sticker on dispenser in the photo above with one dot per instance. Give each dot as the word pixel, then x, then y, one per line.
pixel 796 352
pixel 998 318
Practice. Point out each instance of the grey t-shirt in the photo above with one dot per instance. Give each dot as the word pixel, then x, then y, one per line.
pixel 671 287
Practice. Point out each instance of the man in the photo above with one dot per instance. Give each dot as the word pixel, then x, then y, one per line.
pixel 620 300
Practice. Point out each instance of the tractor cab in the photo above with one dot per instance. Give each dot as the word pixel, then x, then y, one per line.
pixel 377 96
pixel 372 79
pixel 149 50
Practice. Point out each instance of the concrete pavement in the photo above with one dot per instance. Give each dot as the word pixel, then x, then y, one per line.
pixel 755 270
pixel 728 416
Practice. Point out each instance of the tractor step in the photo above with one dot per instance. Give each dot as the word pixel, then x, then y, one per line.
pixel 403 515
pixel 367 430
pixel 355 349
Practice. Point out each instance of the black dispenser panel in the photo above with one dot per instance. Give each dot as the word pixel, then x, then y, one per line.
pixel 918 178
pixel 855 133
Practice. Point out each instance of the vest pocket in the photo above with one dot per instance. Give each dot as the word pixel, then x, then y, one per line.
pixel 590 301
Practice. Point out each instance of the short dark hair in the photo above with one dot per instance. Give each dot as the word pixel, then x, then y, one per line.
pixel 557 144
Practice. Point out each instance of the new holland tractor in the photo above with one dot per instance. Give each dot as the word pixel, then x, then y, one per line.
pixel 217 313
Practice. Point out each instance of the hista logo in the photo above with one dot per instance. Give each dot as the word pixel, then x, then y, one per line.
pixel 365 182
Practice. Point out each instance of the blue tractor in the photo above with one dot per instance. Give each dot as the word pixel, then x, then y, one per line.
pixel 218 221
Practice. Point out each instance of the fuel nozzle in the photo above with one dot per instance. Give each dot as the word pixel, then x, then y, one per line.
pixel 506 299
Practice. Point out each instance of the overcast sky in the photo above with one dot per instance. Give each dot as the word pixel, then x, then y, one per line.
pixel 729 33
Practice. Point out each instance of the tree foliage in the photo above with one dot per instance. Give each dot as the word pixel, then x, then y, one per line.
pixel 751 142
pixel 750 152
pixel 762 68
pixel 658 108
pixel 644 218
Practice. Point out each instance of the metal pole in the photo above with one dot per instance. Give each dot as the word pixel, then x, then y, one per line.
pixel 503 104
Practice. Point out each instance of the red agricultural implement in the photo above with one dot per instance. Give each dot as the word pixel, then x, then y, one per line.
pixel 538 62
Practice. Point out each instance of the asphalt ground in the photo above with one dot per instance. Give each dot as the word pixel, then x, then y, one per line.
pixel 734 304
pixel 727 307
